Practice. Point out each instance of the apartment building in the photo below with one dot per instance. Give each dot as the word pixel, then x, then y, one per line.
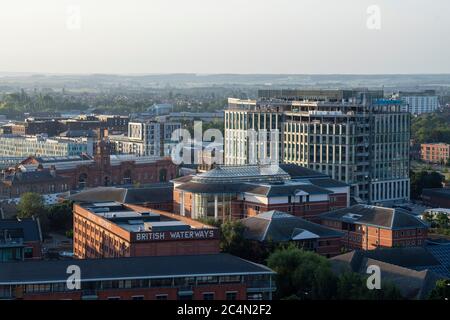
pixel 145 138
pixel 419 102
pixel 435 152
pixel 369 227
pixel 23 146
pixel 355 136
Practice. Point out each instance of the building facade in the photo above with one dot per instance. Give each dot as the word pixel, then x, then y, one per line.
pixel 112 230
pixel 41 146
pixel 236 192
pixel 145 138
pixel 435 152
pixel 369 227
pixel 355 136
pixel 419 102
pixel 192 277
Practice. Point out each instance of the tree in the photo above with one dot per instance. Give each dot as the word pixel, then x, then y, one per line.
pixel 31 204
pixel 424 179
pixel 60 216
pixel 232 239
pixel 442 220
pixel 441 291
pixel 302 274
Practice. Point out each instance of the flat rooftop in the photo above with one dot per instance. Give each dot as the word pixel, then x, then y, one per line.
pixel 134 220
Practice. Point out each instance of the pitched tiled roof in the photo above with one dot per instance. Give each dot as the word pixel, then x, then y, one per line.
pixel 378 216
pixel 280 226
pixel 27 229
pixel 158 192
pixel 412 284
pixel 37 176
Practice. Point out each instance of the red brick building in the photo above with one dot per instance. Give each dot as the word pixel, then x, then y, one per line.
pixel 435 152
pixel 111 230
pixel 370 227
pixel 281 228
pixel 102 169
pixel 243 191
pixel 192 277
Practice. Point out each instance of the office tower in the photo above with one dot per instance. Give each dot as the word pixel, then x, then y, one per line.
pixel 355 136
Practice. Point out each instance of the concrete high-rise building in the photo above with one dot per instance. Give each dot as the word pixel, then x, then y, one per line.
pixel 151 138
pixel 355 136
pixel 419 102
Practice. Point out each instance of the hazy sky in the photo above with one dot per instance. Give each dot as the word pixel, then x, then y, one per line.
pixel 224 36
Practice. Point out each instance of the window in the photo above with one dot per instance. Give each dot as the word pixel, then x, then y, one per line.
pixel 208 296
pixel 137 297
pixel 161 297
pixel 113 298
pixel 231 295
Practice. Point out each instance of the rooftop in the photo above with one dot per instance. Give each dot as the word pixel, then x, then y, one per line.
pixel 388 218
pixel 141 219
pixel 413 284
pixel 153 193
pixel 26 229
pixel 130 268
pixel 280 226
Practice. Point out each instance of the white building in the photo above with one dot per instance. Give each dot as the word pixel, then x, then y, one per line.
pixel 41 146
pixel 420 102
pixel 145 138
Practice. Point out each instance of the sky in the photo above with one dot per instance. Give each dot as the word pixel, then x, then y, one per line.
pixel 225 36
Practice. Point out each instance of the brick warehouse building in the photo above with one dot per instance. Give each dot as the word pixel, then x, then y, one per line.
pixel 369 227
pixel 112 229
pixel 198 277
pixel 243 191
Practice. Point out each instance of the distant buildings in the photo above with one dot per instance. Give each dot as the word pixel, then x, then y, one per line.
pixel 41 146
pixel 19 240
pixel 188 277
pixel 276 227
pixel 112 230
pixel 435 152
pixel 419 102
pixel 369 227
pixel 196 116
pixel 145 138
pixel 53 174
pixel 355 136
pixel 243 191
